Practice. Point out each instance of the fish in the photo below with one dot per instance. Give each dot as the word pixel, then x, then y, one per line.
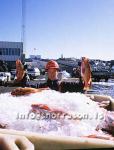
pixel 19 70
pixel 40 106
pixel 26 91
pixel 86 73
pixel 60 113
pixel 103 136
pixel 46 108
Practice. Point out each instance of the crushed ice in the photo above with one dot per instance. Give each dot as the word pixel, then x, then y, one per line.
pixel 72 103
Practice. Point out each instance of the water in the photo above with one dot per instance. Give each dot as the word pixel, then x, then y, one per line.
pixel 103 88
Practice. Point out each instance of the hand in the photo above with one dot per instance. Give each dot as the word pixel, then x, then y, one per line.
pixel 15 142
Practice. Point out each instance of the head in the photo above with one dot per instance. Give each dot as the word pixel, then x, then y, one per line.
pixel 85 59
pixel 52 68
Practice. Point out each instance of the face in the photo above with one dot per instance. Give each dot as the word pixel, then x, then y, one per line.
pixel 52 73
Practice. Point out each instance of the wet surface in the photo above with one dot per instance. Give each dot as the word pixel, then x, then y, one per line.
pixel 103 88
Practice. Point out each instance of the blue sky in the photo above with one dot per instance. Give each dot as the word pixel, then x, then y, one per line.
pixel 73 28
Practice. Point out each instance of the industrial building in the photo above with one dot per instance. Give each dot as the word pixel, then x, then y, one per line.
pixel 11 51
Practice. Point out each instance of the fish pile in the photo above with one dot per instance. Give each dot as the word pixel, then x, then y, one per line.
pixel 54 113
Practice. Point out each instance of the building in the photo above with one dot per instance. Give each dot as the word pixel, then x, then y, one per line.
pixel 11 51
pixel 35 57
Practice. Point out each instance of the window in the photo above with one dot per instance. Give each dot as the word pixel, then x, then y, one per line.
pixel 13 51
pixel 3 51
pixel 6 52
pixel 9 51
pixel 0 51
pixel 18 51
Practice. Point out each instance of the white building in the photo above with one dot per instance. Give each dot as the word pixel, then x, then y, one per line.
pixel 35 57
pixel 10 51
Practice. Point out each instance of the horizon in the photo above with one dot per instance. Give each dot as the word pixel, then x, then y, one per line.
pixel 71 58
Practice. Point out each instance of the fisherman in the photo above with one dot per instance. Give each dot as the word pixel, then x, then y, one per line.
pixel 52 82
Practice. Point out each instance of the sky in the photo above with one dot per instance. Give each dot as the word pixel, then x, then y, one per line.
pixel 74 28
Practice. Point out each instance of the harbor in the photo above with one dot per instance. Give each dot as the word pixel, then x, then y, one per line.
pixel 57 75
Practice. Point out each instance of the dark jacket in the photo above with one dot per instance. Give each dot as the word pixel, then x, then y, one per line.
pixel 63 86
pixel 52 84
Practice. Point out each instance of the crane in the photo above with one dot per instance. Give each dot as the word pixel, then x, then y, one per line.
pixel 23 39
